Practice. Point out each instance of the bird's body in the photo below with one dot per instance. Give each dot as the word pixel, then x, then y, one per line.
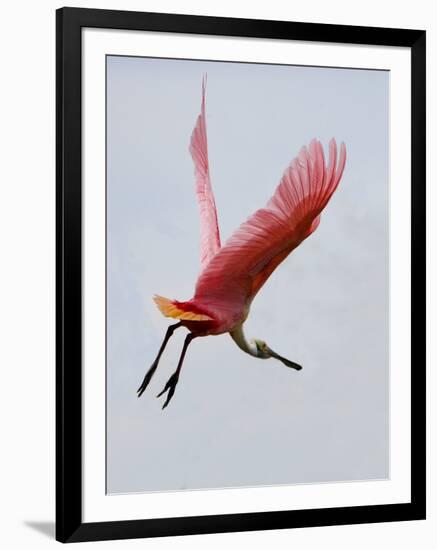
pixel 231 275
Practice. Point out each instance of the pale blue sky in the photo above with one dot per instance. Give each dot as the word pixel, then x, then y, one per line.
pixel 235 420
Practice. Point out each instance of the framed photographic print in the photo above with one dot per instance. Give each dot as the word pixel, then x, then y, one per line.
pixel 241 234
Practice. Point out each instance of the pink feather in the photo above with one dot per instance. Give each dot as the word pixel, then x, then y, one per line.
pixel 239 269
pixel 209 229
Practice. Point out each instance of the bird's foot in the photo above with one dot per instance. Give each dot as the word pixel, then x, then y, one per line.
pixel 147 379
pixel 170 387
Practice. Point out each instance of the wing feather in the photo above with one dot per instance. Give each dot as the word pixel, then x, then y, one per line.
pixel 209 229
pixel 239 269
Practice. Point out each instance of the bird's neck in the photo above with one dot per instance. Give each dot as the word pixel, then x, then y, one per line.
pixel 240 339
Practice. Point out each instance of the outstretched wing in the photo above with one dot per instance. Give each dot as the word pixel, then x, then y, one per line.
pixel 243 264
pixel 209 229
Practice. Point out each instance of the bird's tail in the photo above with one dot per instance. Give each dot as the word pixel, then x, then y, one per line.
pixel 185 311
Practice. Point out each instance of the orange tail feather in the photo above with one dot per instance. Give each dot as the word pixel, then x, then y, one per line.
pixel 179 310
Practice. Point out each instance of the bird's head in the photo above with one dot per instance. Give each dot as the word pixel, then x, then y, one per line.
pixel 264 352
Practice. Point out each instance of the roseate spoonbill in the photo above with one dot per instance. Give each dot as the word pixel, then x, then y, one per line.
pixel 232 274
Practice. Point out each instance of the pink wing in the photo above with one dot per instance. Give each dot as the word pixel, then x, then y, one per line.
pixel 243 264
pixel 209 229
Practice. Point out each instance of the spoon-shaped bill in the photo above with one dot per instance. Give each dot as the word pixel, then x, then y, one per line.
pixel 285 361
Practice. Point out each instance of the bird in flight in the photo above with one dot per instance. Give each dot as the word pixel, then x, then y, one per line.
pixel 231 275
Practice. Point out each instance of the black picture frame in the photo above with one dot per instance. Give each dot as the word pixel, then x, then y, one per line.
pixel 69 525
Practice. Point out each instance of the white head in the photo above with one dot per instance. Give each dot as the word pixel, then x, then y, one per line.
pixel 264 352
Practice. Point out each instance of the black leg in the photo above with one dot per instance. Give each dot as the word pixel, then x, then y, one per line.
pixel 155 363
pixel 173 380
